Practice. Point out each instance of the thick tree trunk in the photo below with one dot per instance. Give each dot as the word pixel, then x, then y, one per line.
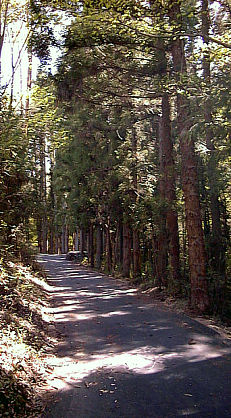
pixel 161 241
pixel 126 250
pixel 197 255
pixel 168 192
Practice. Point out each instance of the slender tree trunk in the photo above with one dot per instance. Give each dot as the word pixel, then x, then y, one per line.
pixel 99 246
pixel 29 81
pixel 66 239
pixel 63 238
pixel 197 255
pixel 108 248
pixel 43 192
pixel 91 246
pixel 118 253
pixel 39 233
pixel 82 241
pixel 12 77
pixel 121 245
pixel 76 240
pixel 56 244
pixel 136 254
pixel 126 250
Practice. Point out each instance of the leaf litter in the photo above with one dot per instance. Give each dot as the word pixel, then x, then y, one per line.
pixel 26 339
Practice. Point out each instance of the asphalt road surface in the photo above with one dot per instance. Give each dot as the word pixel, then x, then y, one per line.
pixel 122 355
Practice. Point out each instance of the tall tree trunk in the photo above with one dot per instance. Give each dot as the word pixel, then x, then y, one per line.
pixel 63 237
pixel 43 193
pixel 91 246
pixel 161 257
pixel 118 253
pixel 217 248
pixel 136 253
pixel 168 192
pixel 39 233
pixel 12 77
pixel 135 232
pixel 108 248
pixel 29 81
pixel 82 241
pixel 99 246
pixel 76 239
pixel 126 250
pixel 52 208
pixel 197 255
pixel 66 239
pixel 161 242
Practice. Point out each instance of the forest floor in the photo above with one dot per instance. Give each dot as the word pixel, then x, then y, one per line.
pixel 26 338
pixel 121 353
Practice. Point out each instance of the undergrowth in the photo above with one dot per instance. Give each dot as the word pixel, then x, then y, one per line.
pixel 24 339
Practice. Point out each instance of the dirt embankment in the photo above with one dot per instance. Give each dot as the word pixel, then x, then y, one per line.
pixel 26 336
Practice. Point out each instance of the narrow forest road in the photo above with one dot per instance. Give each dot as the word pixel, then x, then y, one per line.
pixel 122 356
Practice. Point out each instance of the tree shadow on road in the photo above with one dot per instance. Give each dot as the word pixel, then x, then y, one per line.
pixel 122 356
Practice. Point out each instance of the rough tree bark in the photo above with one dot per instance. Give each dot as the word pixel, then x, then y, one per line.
pixel 91 245
pixel 169 193
pixel 160 235
pixel 99 246
pixel 196 245
pixel 126 249
pixel 43 194
pixel 108 248
pixel 82 241
pixel 135 233
pixel 118 253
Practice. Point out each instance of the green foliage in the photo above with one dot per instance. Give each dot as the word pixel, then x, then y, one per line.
pixel 92 139
pixel 13 176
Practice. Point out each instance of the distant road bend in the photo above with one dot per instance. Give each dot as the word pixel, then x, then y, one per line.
pixel 120 355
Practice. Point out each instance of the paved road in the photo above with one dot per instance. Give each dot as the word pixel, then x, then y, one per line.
pixel 123 356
